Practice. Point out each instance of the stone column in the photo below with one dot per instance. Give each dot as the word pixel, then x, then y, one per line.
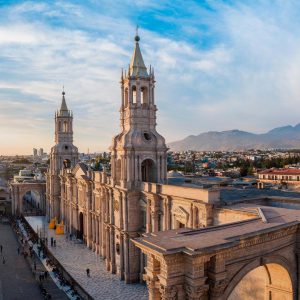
pixel 196 286
pixel 20 201
pixel 155 221
pixel 89 226
pixel 97 235
pixel 217 277
pixel 152 270
pixel 112 251
pixel 172 277
pixel 107 249
pixel 122 256
pixel 148 217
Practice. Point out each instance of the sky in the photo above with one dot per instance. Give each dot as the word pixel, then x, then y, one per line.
pixel 219 65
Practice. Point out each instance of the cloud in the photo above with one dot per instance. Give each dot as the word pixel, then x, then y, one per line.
pixel 218 66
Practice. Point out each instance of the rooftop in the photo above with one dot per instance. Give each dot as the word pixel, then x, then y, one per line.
pixel 281 171
pixel 210 239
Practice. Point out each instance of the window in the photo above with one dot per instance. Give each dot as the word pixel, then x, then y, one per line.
pixel 133 94
pixel 180 225
pixel 65 129
pixel 144 95
pixel 147 136
pixel 118 248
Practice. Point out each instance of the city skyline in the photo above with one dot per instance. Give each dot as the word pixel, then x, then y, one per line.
pixel 222 65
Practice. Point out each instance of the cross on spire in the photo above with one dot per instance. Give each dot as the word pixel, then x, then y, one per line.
pixel 137 38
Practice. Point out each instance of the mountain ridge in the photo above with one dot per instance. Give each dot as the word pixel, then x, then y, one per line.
pixel 284 137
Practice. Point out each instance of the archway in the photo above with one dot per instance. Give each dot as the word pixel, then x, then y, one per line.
pixel 148 169
pixel 81 230
pixel 267 282
pixel 32 203
pixel 67 162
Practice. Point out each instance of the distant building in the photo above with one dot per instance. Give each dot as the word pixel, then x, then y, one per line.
pixel 34 152
pixel 280 177
pixel 41 152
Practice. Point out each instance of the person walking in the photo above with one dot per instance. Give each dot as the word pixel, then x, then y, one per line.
pixel 1 248
pixel 88 272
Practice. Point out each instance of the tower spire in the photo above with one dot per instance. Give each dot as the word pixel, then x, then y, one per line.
pixel 137 66
pixel 63 108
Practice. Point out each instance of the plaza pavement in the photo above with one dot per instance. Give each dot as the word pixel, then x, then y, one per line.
pixel 76 258
pixel 16 279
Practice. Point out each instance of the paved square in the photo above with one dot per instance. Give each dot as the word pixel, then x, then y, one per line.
pixel 76 258
pixel 16 279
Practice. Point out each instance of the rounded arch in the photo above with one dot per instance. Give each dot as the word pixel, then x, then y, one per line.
pixel 65 126
pixel 67 163
pixel 144 95
pixel 149 170
pixel 133 94
pixel 269 273
pixel 33 201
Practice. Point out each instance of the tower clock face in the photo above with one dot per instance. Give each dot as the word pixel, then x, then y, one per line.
pixel 147 136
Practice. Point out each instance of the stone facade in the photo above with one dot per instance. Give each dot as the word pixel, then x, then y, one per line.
pixel 109 210
pixel 180 240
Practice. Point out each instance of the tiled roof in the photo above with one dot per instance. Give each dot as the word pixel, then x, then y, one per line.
pixel 281 171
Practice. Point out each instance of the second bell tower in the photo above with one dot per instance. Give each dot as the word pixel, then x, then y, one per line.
pixel 63 155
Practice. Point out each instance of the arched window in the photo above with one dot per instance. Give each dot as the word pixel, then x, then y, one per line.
pixel 67 163
pixel 59 126
pixel 149 171
pixel 65 129
pixel 144 95
pixel 133 94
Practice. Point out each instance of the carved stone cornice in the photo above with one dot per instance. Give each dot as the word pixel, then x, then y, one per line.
pixel 168 292
pixel 196 292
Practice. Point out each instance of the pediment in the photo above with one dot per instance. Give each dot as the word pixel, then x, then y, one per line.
pixel 180 211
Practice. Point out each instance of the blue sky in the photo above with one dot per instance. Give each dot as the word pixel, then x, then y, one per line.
pixel 219 65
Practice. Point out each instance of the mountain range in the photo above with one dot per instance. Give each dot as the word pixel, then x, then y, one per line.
pixel 286 137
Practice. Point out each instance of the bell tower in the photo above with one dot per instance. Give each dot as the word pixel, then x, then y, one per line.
pixel 139 151
pixel 63 155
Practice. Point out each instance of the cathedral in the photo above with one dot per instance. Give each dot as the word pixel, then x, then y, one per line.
pixel 108 211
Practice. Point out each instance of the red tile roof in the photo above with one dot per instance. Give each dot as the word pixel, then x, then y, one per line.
pixel 281 171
